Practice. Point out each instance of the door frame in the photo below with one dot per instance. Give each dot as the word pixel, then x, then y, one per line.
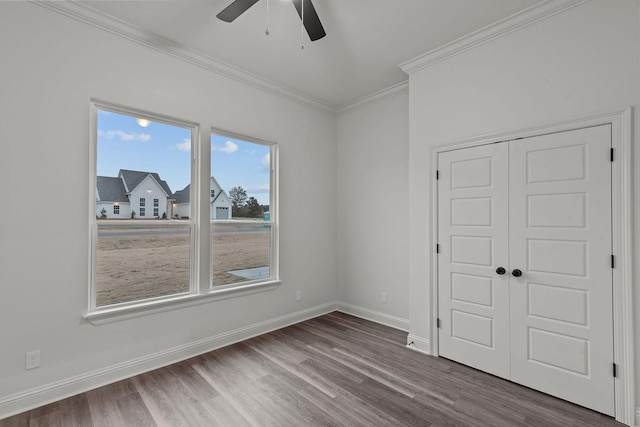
pixel 622 217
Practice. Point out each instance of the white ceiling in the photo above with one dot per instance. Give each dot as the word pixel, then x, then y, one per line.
pixel 365 42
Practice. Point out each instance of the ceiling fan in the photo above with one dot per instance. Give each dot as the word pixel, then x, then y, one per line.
pixel 311 20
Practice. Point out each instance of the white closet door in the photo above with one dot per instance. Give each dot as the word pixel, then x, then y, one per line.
pixel 473 301
pixel 560 238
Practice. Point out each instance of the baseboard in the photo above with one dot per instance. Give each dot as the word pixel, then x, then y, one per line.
pixel 39 396
pixel 374 316
pixel 419 344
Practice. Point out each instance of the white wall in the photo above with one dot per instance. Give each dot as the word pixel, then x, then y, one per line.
pixel 125 211
pixel 52 66
pixel 182 210
pixel 373 231
pixel 583 61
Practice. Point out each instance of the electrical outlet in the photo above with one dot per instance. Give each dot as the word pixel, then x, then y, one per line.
pixel 32 360
pixel 383 297
pixel 298 295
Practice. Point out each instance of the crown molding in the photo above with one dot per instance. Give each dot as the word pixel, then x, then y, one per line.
pixel 510 24
pixel 376 96
pixel 89 15
pixel 94 17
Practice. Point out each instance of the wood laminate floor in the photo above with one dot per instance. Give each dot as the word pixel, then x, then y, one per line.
pixel 334 370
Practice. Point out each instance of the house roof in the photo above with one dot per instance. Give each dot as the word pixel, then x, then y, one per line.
pixel 133 178
pixel 111 189
pixel 182 196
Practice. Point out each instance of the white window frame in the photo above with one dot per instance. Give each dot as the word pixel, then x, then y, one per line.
pixel 200 289
pixel 273 222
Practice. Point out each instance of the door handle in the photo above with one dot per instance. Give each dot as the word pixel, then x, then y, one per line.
pixel 500 270
pixel 516 273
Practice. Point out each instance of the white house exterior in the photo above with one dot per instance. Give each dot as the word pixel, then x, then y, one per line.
pixel 181 204
pixel 218 199
pixel 133 191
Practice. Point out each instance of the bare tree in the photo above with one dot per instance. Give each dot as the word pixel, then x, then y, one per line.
pixel 238 197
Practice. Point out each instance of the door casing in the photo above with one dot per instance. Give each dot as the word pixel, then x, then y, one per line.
pixel 622 216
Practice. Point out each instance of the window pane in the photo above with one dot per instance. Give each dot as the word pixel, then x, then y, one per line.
pixel 142 184
pixel 139 262
pixel 241 171
pixel 240 191
pixel 240 252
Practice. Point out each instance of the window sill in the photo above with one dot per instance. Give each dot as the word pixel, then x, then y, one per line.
pixel 116 314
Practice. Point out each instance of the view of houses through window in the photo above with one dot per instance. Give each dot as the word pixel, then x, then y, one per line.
pixel 240 248
pixel 144 246
pixel 139 255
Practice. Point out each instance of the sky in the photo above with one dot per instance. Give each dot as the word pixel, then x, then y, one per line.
pixel 166 149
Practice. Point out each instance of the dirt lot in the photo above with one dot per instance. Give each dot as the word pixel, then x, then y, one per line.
pixel 136 264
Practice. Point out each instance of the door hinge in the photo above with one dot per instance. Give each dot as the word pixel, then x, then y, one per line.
pixel 438 323
pixel 615 370
pixel 437 248
pixel 613 261
pixel 437 174
pixel 611 154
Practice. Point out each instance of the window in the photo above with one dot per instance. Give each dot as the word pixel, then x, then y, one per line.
pixel 136 258
pixel 139 260
pixel 242 231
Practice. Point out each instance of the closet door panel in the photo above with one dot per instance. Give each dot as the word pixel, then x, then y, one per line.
pixel 472 233
pixel 560 238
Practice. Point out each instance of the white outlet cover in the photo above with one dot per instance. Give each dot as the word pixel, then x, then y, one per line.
pixel 32 359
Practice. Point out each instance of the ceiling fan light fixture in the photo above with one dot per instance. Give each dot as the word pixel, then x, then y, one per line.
pixel 310 20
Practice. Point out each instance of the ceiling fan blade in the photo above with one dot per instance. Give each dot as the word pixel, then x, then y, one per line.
pixel 235 9
pixel 311 20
